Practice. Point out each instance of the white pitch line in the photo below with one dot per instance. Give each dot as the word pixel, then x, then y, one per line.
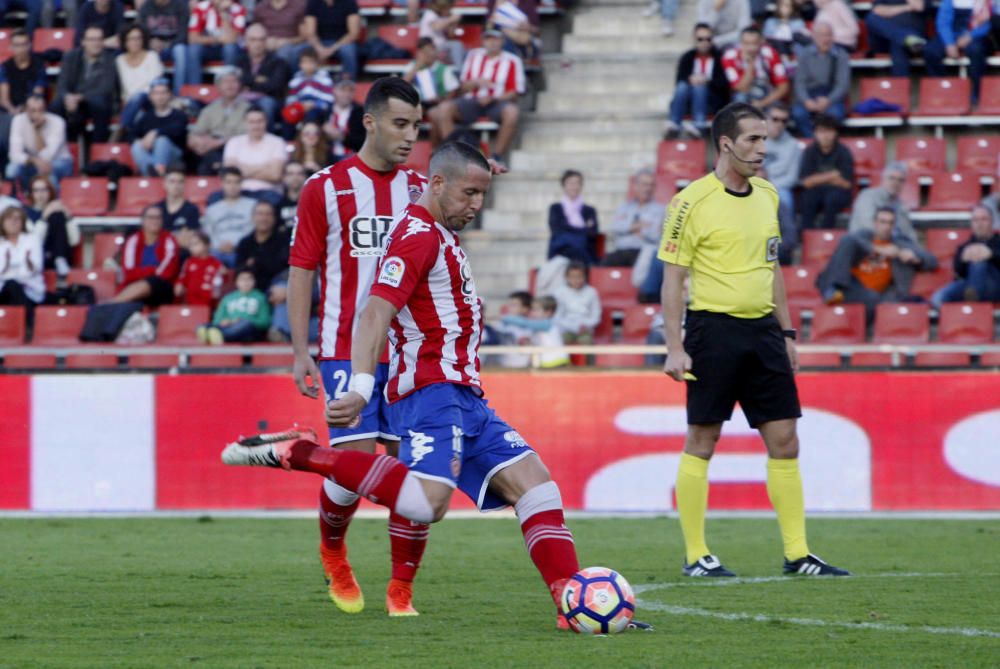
pixel 722 582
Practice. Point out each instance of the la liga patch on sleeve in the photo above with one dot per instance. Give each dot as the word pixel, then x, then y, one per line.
pixel 392 271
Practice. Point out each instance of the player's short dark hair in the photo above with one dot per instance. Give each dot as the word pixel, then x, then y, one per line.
pixel 522 296
pixel 703 26
pixel 826 121
pixel 309 52
pixel 576 265
pixel 727 122
pixel 387 88
pixel 424 41
pixel 885 210
pixel 228 170
pixel 569 174
pixel 452 157
pixel 547 302
pixel 751 30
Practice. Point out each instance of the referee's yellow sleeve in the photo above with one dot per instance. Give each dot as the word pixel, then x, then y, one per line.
pixel 679 239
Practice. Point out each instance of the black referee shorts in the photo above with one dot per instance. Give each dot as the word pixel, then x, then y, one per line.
pixel 738 360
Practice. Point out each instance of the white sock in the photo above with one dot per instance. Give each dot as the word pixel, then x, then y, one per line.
pixel 338 494
pixel 412 502
pixel 543 497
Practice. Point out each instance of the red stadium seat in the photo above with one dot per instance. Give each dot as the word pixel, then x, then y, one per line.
pixel 605 330
pixel 400 36
pixel 272 360
pixel 990 359
pixel 923 155
pixel 118 152
pixel 614 285
pixel 197 189
pixel 943 243
pixel 101 280
pixel 637 323
pixel 58 326
pixel 903 323
pixel 136 193
pixel 203 93
pixel 179 322
pixel 5 35
pixel 615 360
pixel 800 286
pixel 842 324
pixel 665 187
pixel 85 196
pixel 470 35
pixel 29 361
pixel 894 90
pixel 420 157
pixel 874 359
pixel 60 39
pixel 152 360
pixel 965 323
pixel 374 5
pixel 12 325
pixel 818 245
pixel 106 245
pixel 944 96
pixel 91 361
pixel 953 192
pixel 683 158
pixel 942 359
pixel 361 89
pixel 925 284
pixel 869 154
pixel 215 360
pixel 977 155
pixel 813 359
pixel 989 97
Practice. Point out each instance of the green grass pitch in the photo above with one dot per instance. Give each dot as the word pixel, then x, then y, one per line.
pixel 228 592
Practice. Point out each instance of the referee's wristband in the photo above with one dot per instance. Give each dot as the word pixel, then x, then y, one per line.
pixel 790 334
pixel 362 384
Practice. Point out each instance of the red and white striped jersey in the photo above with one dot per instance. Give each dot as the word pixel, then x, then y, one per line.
pixel 435 336
pixel 505 70
pixel 345 213
pixel 205 18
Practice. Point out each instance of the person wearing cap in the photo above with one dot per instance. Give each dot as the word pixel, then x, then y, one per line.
pixel 222 119
pixel 160 133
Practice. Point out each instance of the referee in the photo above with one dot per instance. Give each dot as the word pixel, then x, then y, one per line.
pixel 722 231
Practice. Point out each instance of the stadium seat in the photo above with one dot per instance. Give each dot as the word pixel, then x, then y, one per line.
pixel 665 187
pixel 272 360
pixel 60 39
pixel 818 246
pixel 923 155
pixel 178 324
pixel 135 193
pixel 965 323
pixel 990 359
pixel 894 90
pixel 614 360
pixel 683 158
pixel 989 97
pixel 953 192
pixel 106 245
pixel 842 324
pixel 605 330
pixel 942 359
pixel 800 286
pixel 29 361
pixel 5 53
pixel 420 157
pixel 470 35
pixel 118 152
pixel 152 360
pixel 925 284
pixel 944 96
pixel 869 155
pixel 977 155
pixel 203 93
pixel 91 361
pixel 943 242
pixel 361 89
pixel 902 323
pixel 58 326
pixel 816 359
pixel 197 189
pixel 614 285
pixel 101 280
pixel 400 36
pixel 637 322
pixel 875 359
pixel 215 360
pixel 85 196
pixel 12 326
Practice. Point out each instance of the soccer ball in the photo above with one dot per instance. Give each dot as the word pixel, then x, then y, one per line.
pixel 598 600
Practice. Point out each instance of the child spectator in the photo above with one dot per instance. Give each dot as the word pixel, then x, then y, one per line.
pixel 786 31
pixel 150 261
pixel 202 276
pixel 434 80
pixel 541 323
pixel 579 306
pixel 243 315
pixel 438 23
pixel 311 88
pixel 511 331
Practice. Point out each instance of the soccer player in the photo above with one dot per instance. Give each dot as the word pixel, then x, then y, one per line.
pixel 739 346
pixel 425 300
pixel 344 214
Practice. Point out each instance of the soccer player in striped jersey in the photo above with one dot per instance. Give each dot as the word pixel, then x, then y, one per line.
pixel 343 217
pixel 425 297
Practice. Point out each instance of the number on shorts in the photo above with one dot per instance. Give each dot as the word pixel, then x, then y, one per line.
pixel 341 377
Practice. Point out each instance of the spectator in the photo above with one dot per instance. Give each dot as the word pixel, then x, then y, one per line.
pixel 243 315
pixel 755 71
pixel 108 15
pixel 839 15
pixel 38 145
pixel 138 68
pixel 21 75
pixel 346 126
pixel 280 330
pixel 150 262
pixel 263 74
pixel 781 168
pixel 180 216
pixel 311 89
pixel 963 27
pixel 701 87
pixel 312 148
pixel 259 155
pixel 21 261
pixel 434 80
pixel 518 21
pixel 202 276
pixel 822 81
pixel 53 224
pixel 294 178
pixel 897 26
pixel 667 9
pixel 887 194
pixel 282 19
pixel 165 22
pixel 230 219
pixel 32 7
pixel 214 33
pixel 87 88
pixel 826 176
pixel 438 23
pixel 265 250
pixel 579 306
pixel 727 19
pixel 786 31
pixel 976 264
pixel 492 81
pixel 160 133
pixel 333 28
pixel 573 224
pixel 218 122
pixel 512 331
pixel 873 266
pixel 634 222
pixel 540 324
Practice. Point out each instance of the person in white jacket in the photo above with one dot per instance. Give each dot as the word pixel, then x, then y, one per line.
pixel 21 261
pixel 579 306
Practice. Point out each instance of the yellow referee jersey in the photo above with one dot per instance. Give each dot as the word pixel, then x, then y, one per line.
pixel 729 243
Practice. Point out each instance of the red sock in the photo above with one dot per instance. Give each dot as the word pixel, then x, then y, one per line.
pixel 378 478
pixel 407 540
pixel 334 519
pixel 550 545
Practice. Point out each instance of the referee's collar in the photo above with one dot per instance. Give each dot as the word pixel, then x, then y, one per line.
pixel 732 192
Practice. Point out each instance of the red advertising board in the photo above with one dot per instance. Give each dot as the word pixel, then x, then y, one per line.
pixel 15 433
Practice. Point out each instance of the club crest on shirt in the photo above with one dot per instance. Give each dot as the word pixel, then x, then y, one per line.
pixel 392 271
pixel 772 248
pixel 415 193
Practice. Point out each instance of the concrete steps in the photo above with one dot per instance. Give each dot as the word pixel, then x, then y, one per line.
pixel 648 101
pixel 626 161
pixel 629 44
